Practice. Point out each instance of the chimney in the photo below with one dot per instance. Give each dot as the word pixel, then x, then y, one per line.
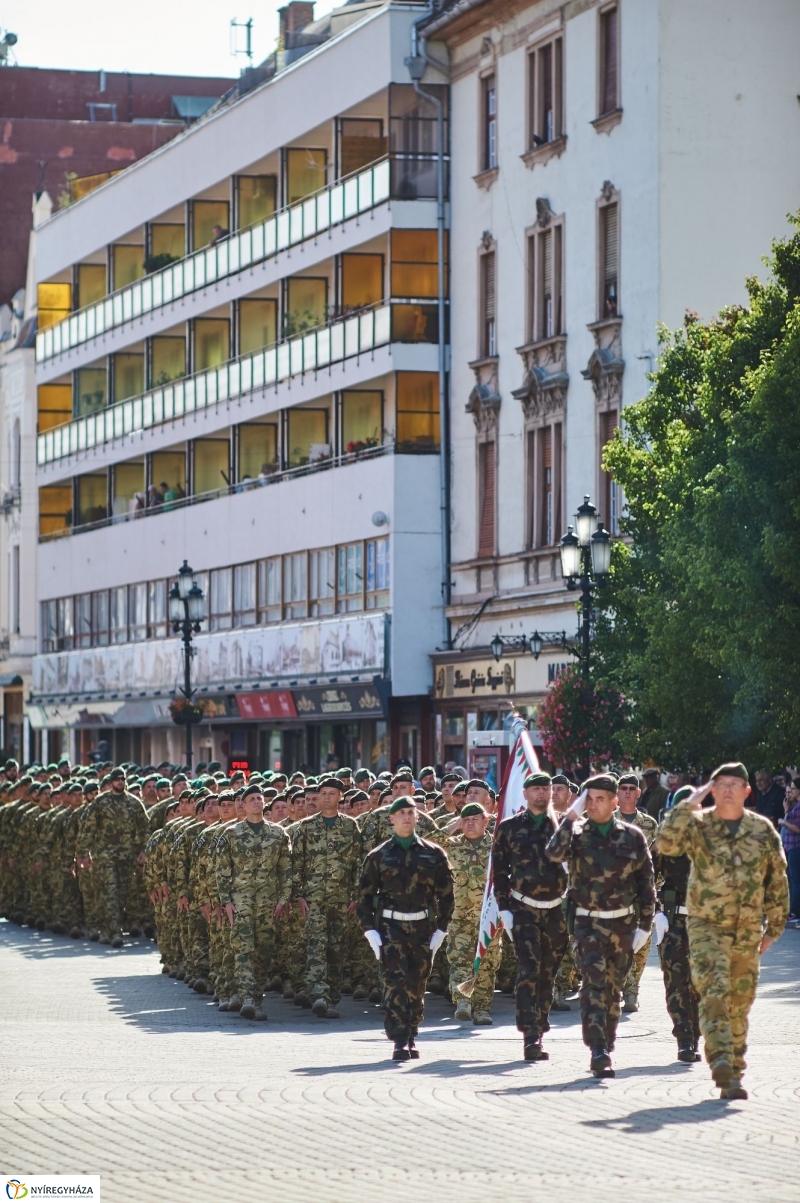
pixel 294 17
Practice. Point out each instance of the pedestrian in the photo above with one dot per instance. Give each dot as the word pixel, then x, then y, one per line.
pixel 405 907
pixel 654 796
pixel 768 796
pixel 790 837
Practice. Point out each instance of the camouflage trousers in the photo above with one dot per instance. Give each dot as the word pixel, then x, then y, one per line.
pixel 725 968
pixel 462 939
pixel 67 898
pixel 603 955
pixel 294 936
pixel 110 880
pixel 91 908
pixel 39 904
pixel 138 907
pixel 567 978
pixel 636 970
pixel 507 970
pixel 681 995
pixel 198 959
pixel 540 937
pixel 253 946
pixel 225 981
pixel 326 947
pixel 406 966
pixel 365 968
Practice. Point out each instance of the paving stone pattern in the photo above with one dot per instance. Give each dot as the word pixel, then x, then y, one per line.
pixel 108 1067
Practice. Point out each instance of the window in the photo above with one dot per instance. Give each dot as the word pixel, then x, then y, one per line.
pixel 488 331
pixel 255 199
pixel 362 281
pixel 221 599
pixel 305 304
pixel 212 343
pixel 413 139
pixel 489 123
pixel 486 499
pixel 168 238
pixel 83 620
pixel 306 172
pixel 378 574
pixel 350 578
pixel 544 468
pixel 167 360
pixel 92 498
pixel 609 260
pixel 362 419
pixel 307 436
pixel 211 465
pixel 91 284
pixel 417 411
pixel 128 480
pixel 54 404
pixel 119 614
pixel 545 274
pixel 258 450
pixel 55 510
pixel 167 474
pixel 361 142
pixel 127 265
pixel 321 581
pixel 14 589
pixel 609 490
pixel 66 624
pixel 294 585
pixel 157 609
pixel 206 214
pixel 244 595
pixel 546 93
pixel 53 303
pixel 269 590
pixel 609 61
pixel 49 612
pixel 137 612
pixel 100 617
pixel 415 261
pixel 128 376
pixel 91 391
pixel 258 324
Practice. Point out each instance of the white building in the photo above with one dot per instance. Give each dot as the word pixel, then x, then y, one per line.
pixel 613 164
pixel 237 364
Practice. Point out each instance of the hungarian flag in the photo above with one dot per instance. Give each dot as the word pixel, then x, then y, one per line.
pixel 522 762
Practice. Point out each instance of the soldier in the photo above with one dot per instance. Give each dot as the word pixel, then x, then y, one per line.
pixel 610 869
pixel 326 850
pixel 405 907
pixel 468 854
pixel 529 888
pixel 629 792
pixel 737 877
pixel 254 881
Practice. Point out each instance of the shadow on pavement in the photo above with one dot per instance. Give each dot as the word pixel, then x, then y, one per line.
pixel 44 945
pixel 653 1119
pixel 442 1068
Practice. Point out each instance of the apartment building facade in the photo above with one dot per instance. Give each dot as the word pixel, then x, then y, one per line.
pixel 237 364
pixel 613 164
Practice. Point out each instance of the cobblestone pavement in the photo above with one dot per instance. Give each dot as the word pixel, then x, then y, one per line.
pixel 109 1067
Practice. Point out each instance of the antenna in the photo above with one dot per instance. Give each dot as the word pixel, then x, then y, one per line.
pixel 247 26
pixel 8 40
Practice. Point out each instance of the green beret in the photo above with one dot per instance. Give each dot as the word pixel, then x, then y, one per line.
pixel 604 781
pixel 428 771
pixel 402 775
pixel 449 777
pixel 682 794
pixel 630 779
pixel 537 779
pixel 331 783
pixel 358 795
pixel 479 783
pixel 461 788
pixel 362 775
pixel 734 769
pixel 401 804
pixel 255 789
pixel 115 774
pixel 162 783
pixel 560 779
pixel 344 772
pixel 472 808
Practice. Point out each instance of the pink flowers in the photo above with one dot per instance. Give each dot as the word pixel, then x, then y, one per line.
pixel 576 720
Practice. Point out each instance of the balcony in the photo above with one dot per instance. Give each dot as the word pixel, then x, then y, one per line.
pixel 285 229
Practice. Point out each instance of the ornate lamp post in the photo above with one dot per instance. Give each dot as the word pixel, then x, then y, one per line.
pixel 187 609
pixel 585 564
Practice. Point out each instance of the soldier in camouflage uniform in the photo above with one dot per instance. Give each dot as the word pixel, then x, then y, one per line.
pixel 254 882
pixel 629 792
pixel 610 876
pixel 405 907
pixel 528 888
pixel 326 853
pixel 468 854
pixel 111 836
pixel 567 979
pixel 737 877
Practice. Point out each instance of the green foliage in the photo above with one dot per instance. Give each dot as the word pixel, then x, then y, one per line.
pixel 701 621
pixel 580 723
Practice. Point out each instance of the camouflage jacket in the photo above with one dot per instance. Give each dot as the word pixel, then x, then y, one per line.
pixel 469 860
pixel 325 860
pixel 394 878
pixel 113 825
pixel 377 828
pixel 735 879
pixel 520 862
pixel 606 872
pixel 647 826
pixel 254 864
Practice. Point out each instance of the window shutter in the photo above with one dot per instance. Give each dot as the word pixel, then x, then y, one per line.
pixel 611 243
pixel 489 303
pixel 487 509
pixel 608 424
pixel 609 98
pixel 547 284
pixel 547 131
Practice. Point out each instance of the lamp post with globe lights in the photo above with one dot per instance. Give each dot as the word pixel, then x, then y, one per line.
pixel 187 610
pixel 585 565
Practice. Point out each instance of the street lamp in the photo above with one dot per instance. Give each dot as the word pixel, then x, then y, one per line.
pixel 187 610
pixel 585 565
pixel 515 643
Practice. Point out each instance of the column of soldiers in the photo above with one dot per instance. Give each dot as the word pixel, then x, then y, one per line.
pixel 374 886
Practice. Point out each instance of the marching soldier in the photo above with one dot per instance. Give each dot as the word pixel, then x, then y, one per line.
pixel 629 792
pixel 469 854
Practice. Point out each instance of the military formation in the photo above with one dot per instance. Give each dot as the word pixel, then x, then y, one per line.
pixel 374 886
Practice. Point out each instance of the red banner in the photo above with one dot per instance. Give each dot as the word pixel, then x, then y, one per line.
pixel 278 703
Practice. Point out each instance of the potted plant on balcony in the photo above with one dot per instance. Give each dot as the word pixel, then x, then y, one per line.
pixel 183 712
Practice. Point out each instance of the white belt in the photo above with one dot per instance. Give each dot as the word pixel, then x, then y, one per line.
pixel 537 902
pixel 681 910
pixel 405 916
pixel 623 910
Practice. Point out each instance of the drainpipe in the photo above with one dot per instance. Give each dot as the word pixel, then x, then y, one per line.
pixel 416 64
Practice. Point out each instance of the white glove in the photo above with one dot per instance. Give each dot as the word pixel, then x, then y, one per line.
pixel 375 942
pixel 508 920
pixel 661 925
pixel 640 938
pixel 436 940
pixel 579 805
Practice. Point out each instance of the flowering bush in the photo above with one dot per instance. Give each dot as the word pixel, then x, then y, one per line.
pixel 580 723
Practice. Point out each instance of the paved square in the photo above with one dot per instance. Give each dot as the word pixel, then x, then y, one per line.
pixel 109 1067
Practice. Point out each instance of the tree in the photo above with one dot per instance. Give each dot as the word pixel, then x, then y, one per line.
pixel 700 624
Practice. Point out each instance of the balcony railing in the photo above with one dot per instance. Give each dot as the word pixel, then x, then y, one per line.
pixel 329 207
pixel 317 349
pixel 322 464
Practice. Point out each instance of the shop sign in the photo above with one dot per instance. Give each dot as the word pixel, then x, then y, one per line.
pixel 356 701
pixel 475 678
pixel 275 703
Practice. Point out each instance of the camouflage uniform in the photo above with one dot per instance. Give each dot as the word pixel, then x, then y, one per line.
pixel 254 873
pixel 734 881
pixel 630 990
pixel 112 831
pixel 405 880
pixel 673 951
pixel 469 860
pixel 606 873
pixel 325 861
pixel 521 866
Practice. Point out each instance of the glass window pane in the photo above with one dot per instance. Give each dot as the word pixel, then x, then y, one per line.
pixel 128 265
pixel 362 281
pixel 244 595
pixel 167 243
pixel 91 284
pixel 211 465
pixel 55 509
pixel 129 489
pixel 83 620
pixel 54 303
pixel 212 342
pixel 417 410
pixel 258 325
pixel 258 450
pixel 257 197
pixel 306 304
pixel 308 436
pixel 168 476
pixel 157 609
pixel 128 376
pixel 362 419
pixel 306 172
pixel 54 403
pixel 321 581
pixel 167 360
pixel 137 611
pixel 100 614
pixel 221 599
pixel 206 215
pixel 269 590
pixel 361 142
pixel 92 498
pixel 294 585
pixel 90 391
pixel 377 581
pixel 119 614
pixel 350 577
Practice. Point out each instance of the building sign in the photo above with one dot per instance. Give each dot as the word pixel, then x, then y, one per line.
pixel 339 701
pixel 276 703
pixel 475 678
